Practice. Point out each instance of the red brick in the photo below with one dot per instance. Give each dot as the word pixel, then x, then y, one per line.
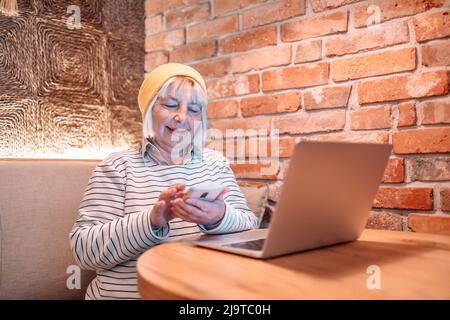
pixel 435 112
pixel 261 59
pixel 232 86
pixel 310 122
pixel 261 170
pixel 271 12
pixel 368 137
pixel 363 40
pixel 295 77
pixel 395 170
pixel 257 147
pixel 385 221
pixel 164 40
pixel 374 64
pixel 406 114
pixel 187 15
pixel 154 59
pixel 314 27
pixel 214 68
pixel 428 169
pixel 445 199
pixel 435 140
pixel 427 84
pixel 390 9
pixel 404 198
pixel 436 54
pixel 222 109
pixel 308 51
pixel 277 103
pixel 212 28
pixel 194 51
pixel 153 25
pixel 157 6
pixel 429 223
pixel 286 146
pixel 371 118
pixel 249 40
pixel 225 6
pixel 255 123
pixel 321 5
pixel 330 97
pixel 262 147
pixel 433 26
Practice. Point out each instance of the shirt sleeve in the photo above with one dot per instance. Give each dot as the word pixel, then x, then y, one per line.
pixel 238 216
pixel 103 236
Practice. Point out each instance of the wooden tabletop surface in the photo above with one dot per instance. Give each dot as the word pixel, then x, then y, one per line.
pixel 379 265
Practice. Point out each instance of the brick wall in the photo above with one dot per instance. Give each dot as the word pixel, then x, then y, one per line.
pixel 347 70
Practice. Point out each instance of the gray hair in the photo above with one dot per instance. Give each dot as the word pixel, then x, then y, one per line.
pixel 199 98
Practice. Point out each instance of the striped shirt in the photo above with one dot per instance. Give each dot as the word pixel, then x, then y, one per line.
pixel 113 227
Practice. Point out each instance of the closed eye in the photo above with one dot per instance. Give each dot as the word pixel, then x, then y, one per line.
pixel 170 106
pixel 194 108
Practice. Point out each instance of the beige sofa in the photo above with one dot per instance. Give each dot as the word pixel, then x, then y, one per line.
pixel 39 202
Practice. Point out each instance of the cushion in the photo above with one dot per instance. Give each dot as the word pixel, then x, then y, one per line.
pixel 256 199
pixel 39 205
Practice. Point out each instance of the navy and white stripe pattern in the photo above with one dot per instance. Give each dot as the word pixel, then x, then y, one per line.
pixel 113 227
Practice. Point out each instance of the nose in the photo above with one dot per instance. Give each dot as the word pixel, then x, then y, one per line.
pixel 181 114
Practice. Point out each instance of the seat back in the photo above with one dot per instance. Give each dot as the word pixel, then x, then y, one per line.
pixel 39 202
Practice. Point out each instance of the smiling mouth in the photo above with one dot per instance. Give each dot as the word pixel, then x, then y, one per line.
pixel 179 130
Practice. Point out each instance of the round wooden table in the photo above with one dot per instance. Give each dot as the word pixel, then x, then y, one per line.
pixel 379 265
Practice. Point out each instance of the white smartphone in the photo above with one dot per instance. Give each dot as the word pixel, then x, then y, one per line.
pixel 208 192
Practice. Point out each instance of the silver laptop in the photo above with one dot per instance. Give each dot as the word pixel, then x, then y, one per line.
pixel 325 199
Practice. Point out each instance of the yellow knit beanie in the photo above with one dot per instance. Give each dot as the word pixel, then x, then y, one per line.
pixel 155 80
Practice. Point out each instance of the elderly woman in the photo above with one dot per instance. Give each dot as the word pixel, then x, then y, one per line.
pixel 134 198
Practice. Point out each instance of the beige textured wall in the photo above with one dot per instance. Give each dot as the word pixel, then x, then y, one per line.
pixel 70 92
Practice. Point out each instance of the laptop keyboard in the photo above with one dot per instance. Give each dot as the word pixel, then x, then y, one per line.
pixel 249 245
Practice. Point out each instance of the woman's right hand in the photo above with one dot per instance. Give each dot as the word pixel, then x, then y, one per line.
pixel 162 213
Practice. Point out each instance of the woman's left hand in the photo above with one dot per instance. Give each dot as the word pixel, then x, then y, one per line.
pixel 200 211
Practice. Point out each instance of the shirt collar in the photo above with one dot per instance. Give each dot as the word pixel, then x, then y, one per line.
pixel 150 154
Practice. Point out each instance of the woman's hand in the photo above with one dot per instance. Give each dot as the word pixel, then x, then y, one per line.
pixel 200 211
pixel 162 212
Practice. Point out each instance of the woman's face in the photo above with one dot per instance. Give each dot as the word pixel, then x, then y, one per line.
pixel 176 115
